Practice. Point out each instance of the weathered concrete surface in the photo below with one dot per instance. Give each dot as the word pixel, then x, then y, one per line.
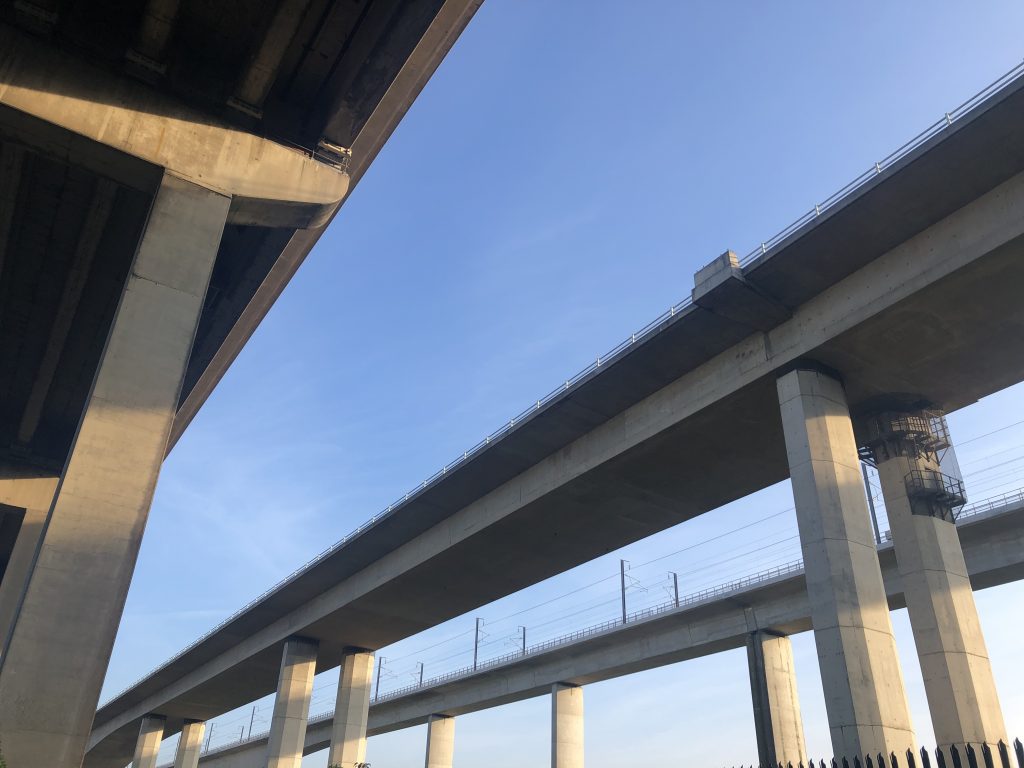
pixel 291 707
pixel 151 733
pixel 189 745
pixel 958 679
pixel 865 699
pixel 777 721
pixel 651 440
pixel 440 741
pixel 348 739
pixel 993 546
pixel 94 526
pixel 566 726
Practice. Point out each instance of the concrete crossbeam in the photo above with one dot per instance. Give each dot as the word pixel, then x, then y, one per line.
pixel 958 679
pixel 566 726
pixel 860 670
pixel 270 184
pixel 440 741
pixel 348 737
pixel 291 707
pixel 777 720
pixel 54 661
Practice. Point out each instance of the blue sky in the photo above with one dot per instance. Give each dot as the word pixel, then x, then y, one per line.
pixel 555 187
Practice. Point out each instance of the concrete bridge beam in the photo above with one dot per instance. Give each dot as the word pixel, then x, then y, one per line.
pixel 151 733
pixel 348 736
pixel 566 726
pixel 440 741
pixel 53 661
pixel 189 744
pixel 958 679
pixel 777 721
pixel 269 184
pixel 864 693
pixel 291 707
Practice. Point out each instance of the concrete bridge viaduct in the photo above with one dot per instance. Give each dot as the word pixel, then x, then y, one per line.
pixel 164 170
pixel 760 614
pixel 845 338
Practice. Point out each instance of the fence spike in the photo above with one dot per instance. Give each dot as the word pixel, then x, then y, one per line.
pixel 1018 749
pixel 881 760
pixel 926 760
pixel 954 753
pixel 856 761
pixel 972 756
pixel 868 763
pixel 911 762
pixel 845 763
pixel 940 758
pixel 986 755
pixel 1004 754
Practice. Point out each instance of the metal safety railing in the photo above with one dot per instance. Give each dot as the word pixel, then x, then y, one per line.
pixel 616 353
pixel 939 126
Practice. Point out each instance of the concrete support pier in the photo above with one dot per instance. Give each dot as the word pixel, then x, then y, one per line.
pixel 348 737
pixel 860 670
pixel 291 707
pixel 566 726
pixel 920 503
pixel 151 733
pixel 55 655
pixel 777 721
pixel 190 744
pixel 440 741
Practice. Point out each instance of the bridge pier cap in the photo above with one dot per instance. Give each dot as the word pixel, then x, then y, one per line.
pixel 269 184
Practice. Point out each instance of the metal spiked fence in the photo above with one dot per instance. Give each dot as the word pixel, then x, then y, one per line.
pixel 954 756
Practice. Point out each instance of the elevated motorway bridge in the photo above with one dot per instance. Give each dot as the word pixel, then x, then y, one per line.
pixel 165 167
pixel 887 294
pixel 709 622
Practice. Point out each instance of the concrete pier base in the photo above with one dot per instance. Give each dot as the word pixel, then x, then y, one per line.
pixel 348 736
pixel 440 741
pixel 62 629
pixel 151 733
pixel 291 707
pixel 958 678
pixel 777 721
pixel 566 726
pixel 189 744
pixel 864 693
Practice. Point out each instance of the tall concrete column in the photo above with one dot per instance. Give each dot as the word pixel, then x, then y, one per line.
pixel 190 744
pixel 440 741
pixel 56 653
pixel 860 670
pixel 777 721
pixel 151 733
pixel 291 707
pixel 566 726
pixel 348 737
pixel 958 678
